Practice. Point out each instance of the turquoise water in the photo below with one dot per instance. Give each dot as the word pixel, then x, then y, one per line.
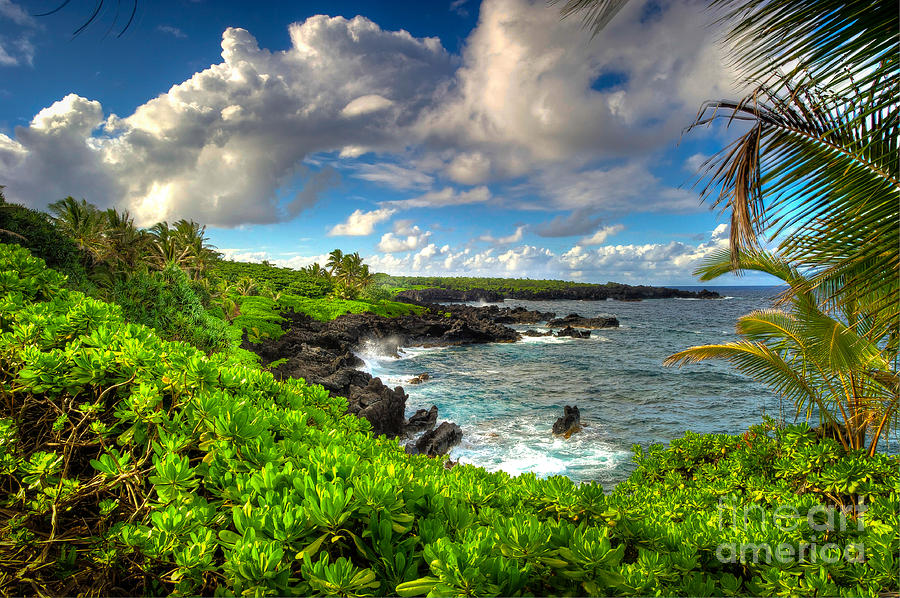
pixel 507 396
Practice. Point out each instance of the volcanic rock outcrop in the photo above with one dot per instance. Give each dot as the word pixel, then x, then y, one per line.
pixel 569 423
pixel 576 321
pixel 323 353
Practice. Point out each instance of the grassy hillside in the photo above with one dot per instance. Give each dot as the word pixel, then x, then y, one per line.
pixel 136 466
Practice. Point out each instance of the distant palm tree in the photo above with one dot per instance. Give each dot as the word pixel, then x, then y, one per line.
pixel 183 244
pixel 315 270
pixel 335 258
pixel 84 223
pixel 127 246
pixel 811 355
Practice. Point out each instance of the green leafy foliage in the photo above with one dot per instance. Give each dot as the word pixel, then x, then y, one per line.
pixel 521 286
pixel 168 302
pixel 134 465
pixel 34 230
pixel 284 280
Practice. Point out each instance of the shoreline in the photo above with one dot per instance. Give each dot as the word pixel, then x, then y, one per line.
pixel 325 353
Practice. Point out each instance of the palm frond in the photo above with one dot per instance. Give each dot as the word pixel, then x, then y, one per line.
pixel 842 42
pixel 596 14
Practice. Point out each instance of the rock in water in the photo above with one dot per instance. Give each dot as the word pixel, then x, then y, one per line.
pixel 532 332
pixel 569 331
pixel 421 420
pixel 569 423
pixel 439 441
pixel 419 379
pixel 580 322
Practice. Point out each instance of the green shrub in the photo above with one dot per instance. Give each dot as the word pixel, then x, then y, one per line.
pixel 167 302
pixel 133 465
pixel 35 231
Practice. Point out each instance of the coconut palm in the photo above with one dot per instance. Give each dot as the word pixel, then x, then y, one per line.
pixel 837 364
pixel 84 223
pixel 816 173
pixel 192 237
pixel 335 258
pixel 127 246
pixel 183 244
pixel 315 270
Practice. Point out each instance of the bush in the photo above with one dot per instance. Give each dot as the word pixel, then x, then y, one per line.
pixel 35 231
pixel 167 302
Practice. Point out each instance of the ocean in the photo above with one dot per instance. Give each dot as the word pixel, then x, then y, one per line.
pixel 506 396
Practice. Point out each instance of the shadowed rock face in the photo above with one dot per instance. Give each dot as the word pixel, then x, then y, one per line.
pixel 438 441
pixel 574 320
pixel 574 333
pixel 422 421
pixel 569 423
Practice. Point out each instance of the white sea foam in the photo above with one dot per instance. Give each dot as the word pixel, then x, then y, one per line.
pixel 546 339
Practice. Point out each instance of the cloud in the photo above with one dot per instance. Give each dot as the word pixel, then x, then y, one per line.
pixel 223 146
pixel 15 13
pixel 448 196
pixel 630 187
pixel 513 238
pixel 638 263
pixel 360 224
pixel 232 144
pixel 525 97
pixel 652 263
pixel 314 186
pixel 366 104
pixel 404 238
pixel 695 162
pixel 173 31
pixel 19 50
pixel 577 222
pixel 393 176
pixel 458 6
pixel 469 168
pixel 601 235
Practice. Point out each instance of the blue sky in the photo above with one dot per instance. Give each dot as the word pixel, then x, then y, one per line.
pixel 435 138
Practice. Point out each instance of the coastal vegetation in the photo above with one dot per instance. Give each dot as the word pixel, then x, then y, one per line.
pixel 134 465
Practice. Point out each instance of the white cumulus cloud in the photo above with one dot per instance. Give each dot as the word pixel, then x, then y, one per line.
pixel 513 238
pixel 405 237
pixel 360 224
pixel 222 146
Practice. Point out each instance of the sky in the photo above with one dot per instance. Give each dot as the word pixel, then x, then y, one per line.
pixel 444 137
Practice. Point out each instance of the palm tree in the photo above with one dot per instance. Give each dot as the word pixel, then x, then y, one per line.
pixel 84 223
pixel 816 172
pixel 315 270
pixel 127 246
pixel 335 259
pixel 191 236
pixel 183 244
pixel 836 363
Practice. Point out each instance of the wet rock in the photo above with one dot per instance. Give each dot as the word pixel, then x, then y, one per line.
pixel 569 423
pixel 438 441
pixel 421 420
pixel 323 353
pixel 423 377
pixel 577 321
pixel 531 332
pixel 574 333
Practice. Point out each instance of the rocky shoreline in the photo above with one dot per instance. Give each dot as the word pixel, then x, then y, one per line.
pixel 325 353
